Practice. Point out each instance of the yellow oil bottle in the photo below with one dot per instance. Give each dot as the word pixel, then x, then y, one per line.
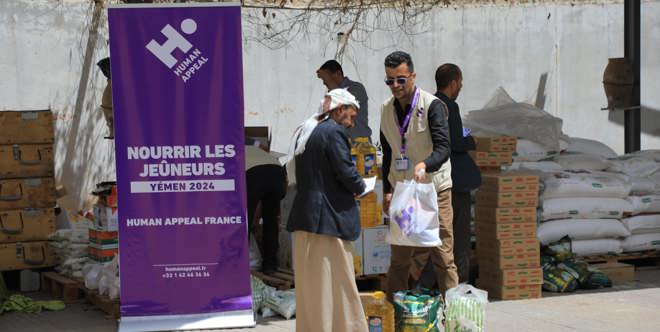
pixel 379 312
pixel 366 157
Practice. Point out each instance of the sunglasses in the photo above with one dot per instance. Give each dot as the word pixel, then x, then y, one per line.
pixel 399 80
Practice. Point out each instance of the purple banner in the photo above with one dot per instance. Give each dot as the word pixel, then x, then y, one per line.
pixel 178 105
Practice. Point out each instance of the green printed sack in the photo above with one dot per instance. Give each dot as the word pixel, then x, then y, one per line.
pixel 466 309
pixel 558 280
pixel 418 311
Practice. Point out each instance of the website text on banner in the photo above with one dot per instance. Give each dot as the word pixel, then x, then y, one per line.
pixel 178 103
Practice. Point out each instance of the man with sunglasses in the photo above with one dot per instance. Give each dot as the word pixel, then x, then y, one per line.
pixel 415 138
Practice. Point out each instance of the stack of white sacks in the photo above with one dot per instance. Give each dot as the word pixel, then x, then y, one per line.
pixel 644 219
pixel 589 194
pixel 70 244
pixel 605 203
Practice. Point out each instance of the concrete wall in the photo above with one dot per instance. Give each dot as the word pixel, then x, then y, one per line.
pixel 43 45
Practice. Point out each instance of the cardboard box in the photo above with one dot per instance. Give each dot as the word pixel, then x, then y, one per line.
pixel 25 255
pixel 617 272
pixel 499 231
pixel 502 182
pixel 510 246
pixel 107 193
pixel 507 199
pixel 512 277
pixel 105 218
pixel 27 193
pixel 491 158
pixel 103 253
pixel 489 214
pixel 376 250
pixel 26 161
pixel 498 261
pixel 26 225
pixel 101 237
pixel 26 127
pixel 520 292
pixel 357 251
pixel 496 144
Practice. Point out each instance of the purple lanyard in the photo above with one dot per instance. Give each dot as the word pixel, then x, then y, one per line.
pixel 402 129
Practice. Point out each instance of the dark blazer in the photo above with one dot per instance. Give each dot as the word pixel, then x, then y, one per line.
pixel 465 175
pixel 327 181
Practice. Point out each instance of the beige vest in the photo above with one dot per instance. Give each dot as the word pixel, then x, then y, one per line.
pixel 418 141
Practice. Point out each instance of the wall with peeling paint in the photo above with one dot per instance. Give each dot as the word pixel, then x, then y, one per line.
pixel 43 50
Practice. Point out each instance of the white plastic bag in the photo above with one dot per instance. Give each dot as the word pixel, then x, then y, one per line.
pixel 634 165
pixel 414 215
pixel 578 162
pixel 255 254
pixel 283 302
pixel 466 309
pixel 585 184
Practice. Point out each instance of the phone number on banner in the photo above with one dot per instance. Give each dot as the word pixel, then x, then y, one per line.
pixel 181 275
pixel 182 186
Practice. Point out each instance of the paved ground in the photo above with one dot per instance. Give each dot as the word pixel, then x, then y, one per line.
pixel 633 306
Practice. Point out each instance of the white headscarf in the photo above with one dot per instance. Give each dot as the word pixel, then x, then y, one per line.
pixel 330 101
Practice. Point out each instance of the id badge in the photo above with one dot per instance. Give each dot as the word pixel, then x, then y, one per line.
pixel 402 164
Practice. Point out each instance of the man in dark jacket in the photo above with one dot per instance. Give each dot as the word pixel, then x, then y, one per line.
pixel 325 218
pixel 465 174
pixel 332 75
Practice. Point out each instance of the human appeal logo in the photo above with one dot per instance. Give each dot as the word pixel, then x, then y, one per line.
pixel 193 60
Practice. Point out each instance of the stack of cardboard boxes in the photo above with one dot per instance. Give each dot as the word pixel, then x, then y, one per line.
pixel 508 251
pixel 493 152
pixel 27 190
pixel 371 252
pixel 103 236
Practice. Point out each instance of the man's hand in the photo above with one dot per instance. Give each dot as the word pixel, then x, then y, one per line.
pixel 387 199
pixel 420 172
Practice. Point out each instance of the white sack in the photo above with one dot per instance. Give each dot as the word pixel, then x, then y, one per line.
pixel 588 146
pixel 652 154
pixel 648 223
pixel 642 186
pixel 585 184
pixel 92 276
pixel 578 162
pixel 584 208
pixel 580 229
pixel 503 115
pixel 596 247
pixel 639 242
pixel 644 204
pixel 634 166
pixel 542 166
pixel 527 150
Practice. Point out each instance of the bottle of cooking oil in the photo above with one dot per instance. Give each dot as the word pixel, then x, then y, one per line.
pixel 379 312
pixel 367 154
pixel 354 157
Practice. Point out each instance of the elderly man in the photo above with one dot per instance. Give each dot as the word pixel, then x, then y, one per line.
pixel 415 140
pixel 325 218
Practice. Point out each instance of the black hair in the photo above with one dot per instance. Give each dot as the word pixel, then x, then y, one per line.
pixel 396 58
pixel 445 74
pixel 332 66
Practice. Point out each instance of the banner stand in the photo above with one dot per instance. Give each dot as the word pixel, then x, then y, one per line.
pixel 225 320
pixel 177 96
